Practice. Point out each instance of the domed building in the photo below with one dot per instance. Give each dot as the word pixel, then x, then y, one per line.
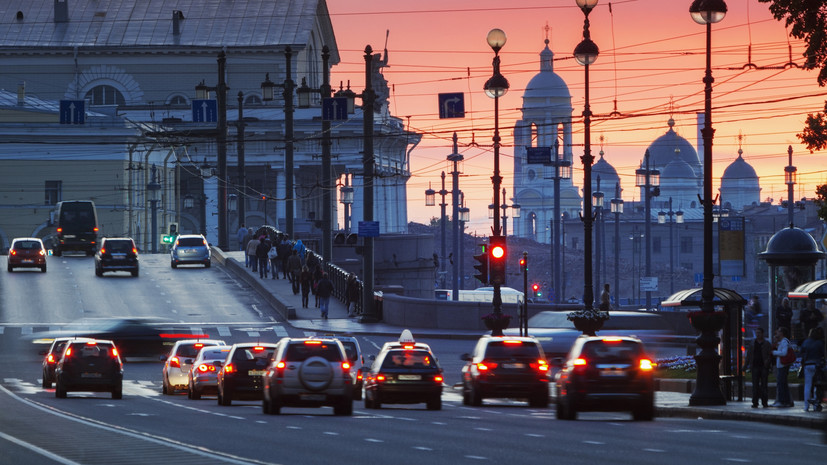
pixel 545 122
pixel 608 179
pixel 681 173
pixel 739 185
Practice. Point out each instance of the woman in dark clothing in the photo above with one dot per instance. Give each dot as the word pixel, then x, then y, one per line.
pixel 261 255
pixel 317 276
pixel 306 280
pixel 351 294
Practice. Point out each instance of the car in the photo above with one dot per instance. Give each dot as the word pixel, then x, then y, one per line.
pixel 506 367
pixel 404 373
pixel 357 363
pixel 117 254
pixel 27 252
pixel 241 375
pixel 606 374
pixel 203 375
pixel 190 249
pixel 308 372
pixel 178 362
pixel 89 365
pixel 51 357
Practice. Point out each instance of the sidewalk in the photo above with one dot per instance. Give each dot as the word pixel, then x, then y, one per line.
pixel 668 403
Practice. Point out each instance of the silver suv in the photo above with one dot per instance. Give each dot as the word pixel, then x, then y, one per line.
pixel 309 372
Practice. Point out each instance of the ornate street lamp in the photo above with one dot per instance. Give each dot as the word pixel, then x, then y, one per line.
pixel 649 180
pixel 597 201
pixel 346 197
pixel 430 195
pixel 562 170
pixel 707 387
pixel 153 189
pixel 617 210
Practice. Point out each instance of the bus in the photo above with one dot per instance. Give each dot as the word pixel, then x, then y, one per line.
pixel 77 227
pixel 482 294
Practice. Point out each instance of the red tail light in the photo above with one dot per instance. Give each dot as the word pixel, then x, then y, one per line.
pixel 134 251
pixel 174 362
pixel 229 368
pixel 359 376
pixel 50 358
pixel 312 342
pixel 380 377
pixel 438 378
pixel 42 252
pixel 59 230
pixel 68 352
pixel 13 252
pixel 486 366
pixel 646 364
pixel 203 368
pixel 103 250
pixel 346 366
pixel 408 346
pixel 541 366
pixel 579 364
pixel 95 229
pixel 114 352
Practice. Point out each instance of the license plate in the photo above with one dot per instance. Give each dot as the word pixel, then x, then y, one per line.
pixel 256 372
pixel 409 377
pixel 315 397
pixel 611 373
pixel 90 375
pixel 513 366
pixel 28 261
pixel 70 236
pixel 119 255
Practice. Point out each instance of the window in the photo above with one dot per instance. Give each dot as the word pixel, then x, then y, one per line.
pixel 177 100
pixel 54 192
pixel 252 100
pixel 686 245
pixel 105 95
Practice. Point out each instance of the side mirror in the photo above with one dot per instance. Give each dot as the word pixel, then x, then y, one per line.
pixel 465 357
pixel 163 358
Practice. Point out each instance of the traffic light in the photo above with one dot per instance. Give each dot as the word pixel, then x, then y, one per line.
pixel 173 229
pixel 523 265
pixel 536 289
pixel 482 266
pixel 497 260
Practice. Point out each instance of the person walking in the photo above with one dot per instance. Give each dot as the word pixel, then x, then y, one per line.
pixel 240 235
pixel 759 361
pixel 351 294
pixel 262 249
pixel 605 299
pixel 324 289
pixel 294 265
pixel 782 368
pixel 273 257
pixel 810 316
pixel 247 238
pixel 284 251
pixel 251 252
pixel 812 358
pixel 306 285
pixel 317 276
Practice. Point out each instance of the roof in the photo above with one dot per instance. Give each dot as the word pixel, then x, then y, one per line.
pixel 546 83
pixel 810 290
pixel 739 169
pixel 692 298
pixel 662 150
pixel 149 23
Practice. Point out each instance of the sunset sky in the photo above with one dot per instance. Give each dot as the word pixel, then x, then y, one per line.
pixel 651 63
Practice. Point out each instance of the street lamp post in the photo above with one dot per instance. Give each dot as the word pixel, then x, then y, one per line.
pixel 617 209
pixel 597 200
pixel 455 157
pixel 585 54
pixel 429 201
pixel 346 194
pixel 678 219
pixel 649 180
pixel 707 387
pixel 153 188
pixel 562 170
pixel 464 217
pixel 327 178
pixel 496 87
pixel 515 212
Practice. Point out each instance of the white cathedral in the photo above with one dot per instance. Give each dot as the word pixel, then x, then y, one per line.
pixel 547 122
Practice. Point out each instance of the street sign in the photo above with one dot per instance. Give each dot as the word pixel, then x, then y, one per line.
pixel 538 155
pixel 334 109
pixel 167 239
pixel 204 111
pixel 72 112
pixel 368 229
pixel 649 283
pixel 452 105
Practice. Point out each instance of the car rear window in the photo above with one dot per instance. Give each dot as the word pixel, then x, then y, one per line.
pixel 189 350
pixel 190 242
pixel 27 245
pixel 300 352
pixel 408 359
pixel 350 350
pixel 118 246
pixel 91 351
pixel 214 354
pixel 509 349
pixel 252 354
pixel 612 351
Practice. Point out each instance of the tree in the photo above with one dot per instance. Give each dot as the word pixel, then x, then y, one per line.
pixel 808 19
pixel 821 201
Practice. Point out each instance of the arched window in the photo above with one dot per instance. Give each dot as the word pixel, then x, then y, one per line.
pixel 105 95
pixel 252 100
pixel 178 99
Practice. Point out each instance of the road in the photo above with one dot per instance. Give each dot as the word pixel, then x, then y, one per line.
pixel 147 427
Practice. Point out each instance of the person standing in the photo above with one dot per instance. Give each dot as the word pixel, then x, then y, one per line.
pixel 782 370
pixel 240 235
pixel 283 250
pixel 306 284
pixel 251 252
pixel 809 317
pixel 759 361
pixel 247 238
pixel 605 299
pixel 273 257
pixel 317 276
pixel 324 289
pixel 262 249
pixel 812 357
pixel 351 294
pixel 294 264
pixel 784 315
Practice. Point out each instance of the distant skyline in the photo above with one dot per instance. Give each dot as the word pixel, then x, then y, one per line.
pixel 650 68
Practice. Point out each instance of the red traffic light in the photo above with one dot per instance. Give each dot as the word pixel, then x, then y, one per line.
pixel 534 287
pixel 497 263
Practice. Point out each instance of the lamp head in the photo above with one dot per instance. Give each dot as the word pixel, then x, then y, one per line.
pixel 496 86
pixel 708 11
pixel 586 5
pixel 496 39
pixel 586 52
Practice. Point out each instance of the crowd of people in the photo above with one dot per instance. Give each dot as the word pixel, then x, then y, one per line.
pixel 275 254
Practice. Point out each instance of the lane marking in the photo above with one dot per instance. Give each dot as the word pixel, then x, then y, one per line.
pixel 224 331
pixel 373 440
pixel 36 449
pixel 280 331
pixel 475 457
pixel 653 450
pixel 422 448
pixel 594 443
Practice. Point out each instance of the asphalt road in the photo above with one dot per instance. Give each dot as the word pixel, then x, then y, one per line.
pixel 148 427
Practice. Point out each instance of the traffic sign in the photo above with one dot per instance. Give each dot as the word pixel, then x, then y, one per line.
pixel 204 111
pixel 452 105
pixel 72 112
pixel 649 283
pixel 368 229
pixel 538 155
pixel 334 109
pixel 167 239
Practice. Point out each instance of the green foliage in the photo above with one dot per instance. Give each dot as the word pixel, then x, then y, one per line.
pixel 821 201
pixel 815 131
pixel 808 21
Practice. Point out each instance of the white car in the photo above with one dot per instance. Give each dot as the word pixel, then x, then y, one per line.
pixel 179 360
pixel 203 376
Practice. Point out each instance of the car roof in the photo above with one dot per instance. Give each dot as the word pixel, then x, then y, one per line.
pixel 26 239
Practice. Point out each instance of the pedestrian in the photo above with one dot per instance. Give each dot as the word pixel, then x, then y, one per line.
pixel 752 315
pixel 812 359
pixel 262 249
pixel 294 264
pixel 782 368
pixel 351 294
pixel 759 361
pixel 809 318
pixel 251 252
pixel 605 299
pixel 247 238
pixel 299 246
pixel 784 314
pixel 284 251
pixel 324 289
pixel 317 276
pixel 273 257
pixel 240 235
pixel 306 284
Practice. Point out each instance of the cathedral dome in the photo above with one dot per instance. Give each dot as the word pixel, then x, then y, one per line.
pixel 739 169
pixel 608 176
pixel 662 150
pixel 678 168
pixel 546 84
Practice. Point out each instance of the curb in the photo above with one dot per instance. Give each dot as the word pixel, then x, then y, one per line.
pixel 816 422
pixel 286 310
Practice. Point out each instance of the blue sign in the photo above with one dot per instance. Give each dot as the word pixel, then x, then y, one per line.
pixel 72 112
pixel 699 277
pixel 538 155
pixel 452 105
pixel 204 111
pixel 334 109
pixel 368 229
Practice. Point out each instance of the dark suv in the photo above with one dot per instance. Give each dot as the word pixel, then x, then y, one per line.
pixel 117 254
pixel 312 372
pixel 240 377
pixel 606 374
pixel 89 365
pixel 512 367
pixel 404 373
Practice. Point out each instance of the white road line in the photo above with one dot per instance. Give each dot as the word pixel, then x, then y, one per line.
pixel 422 448
pixel 653 450
pixel 331 433
pixel 479 428
pixel 224 331
pixel 38 450
pixel 280 331
pixel 475 457
pixel 732 459
pixel 535 435
pixel 373 440
pixel 594 443
pixel 293 427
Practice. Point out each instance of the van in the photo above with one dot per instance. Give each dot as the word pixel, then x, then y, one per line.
pixel 77 227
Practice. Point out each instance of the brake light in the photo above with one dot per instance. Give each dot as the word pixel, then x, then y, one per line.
pixel 258 348
pixel 438 378
pixel 345 366
pixel 103 250
pixel 42 252
pixel 612 339
pixel 646 364
pixel 579 362
pixel 13 252
pixel 512 341
pixel 408 346
pixel 229 368
pixel 541 365
pixel 68 352
pixel 50 358
pixel 359 376
pixel 485 366
pixel 313 342
pixel 91 343
pixel 380 377
pixel 198 345
pixel 95 229
pixel 281 365
pixel 59 230
pixel 203 368
pixel 114 351
pixel 174 362
pixel 134 251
